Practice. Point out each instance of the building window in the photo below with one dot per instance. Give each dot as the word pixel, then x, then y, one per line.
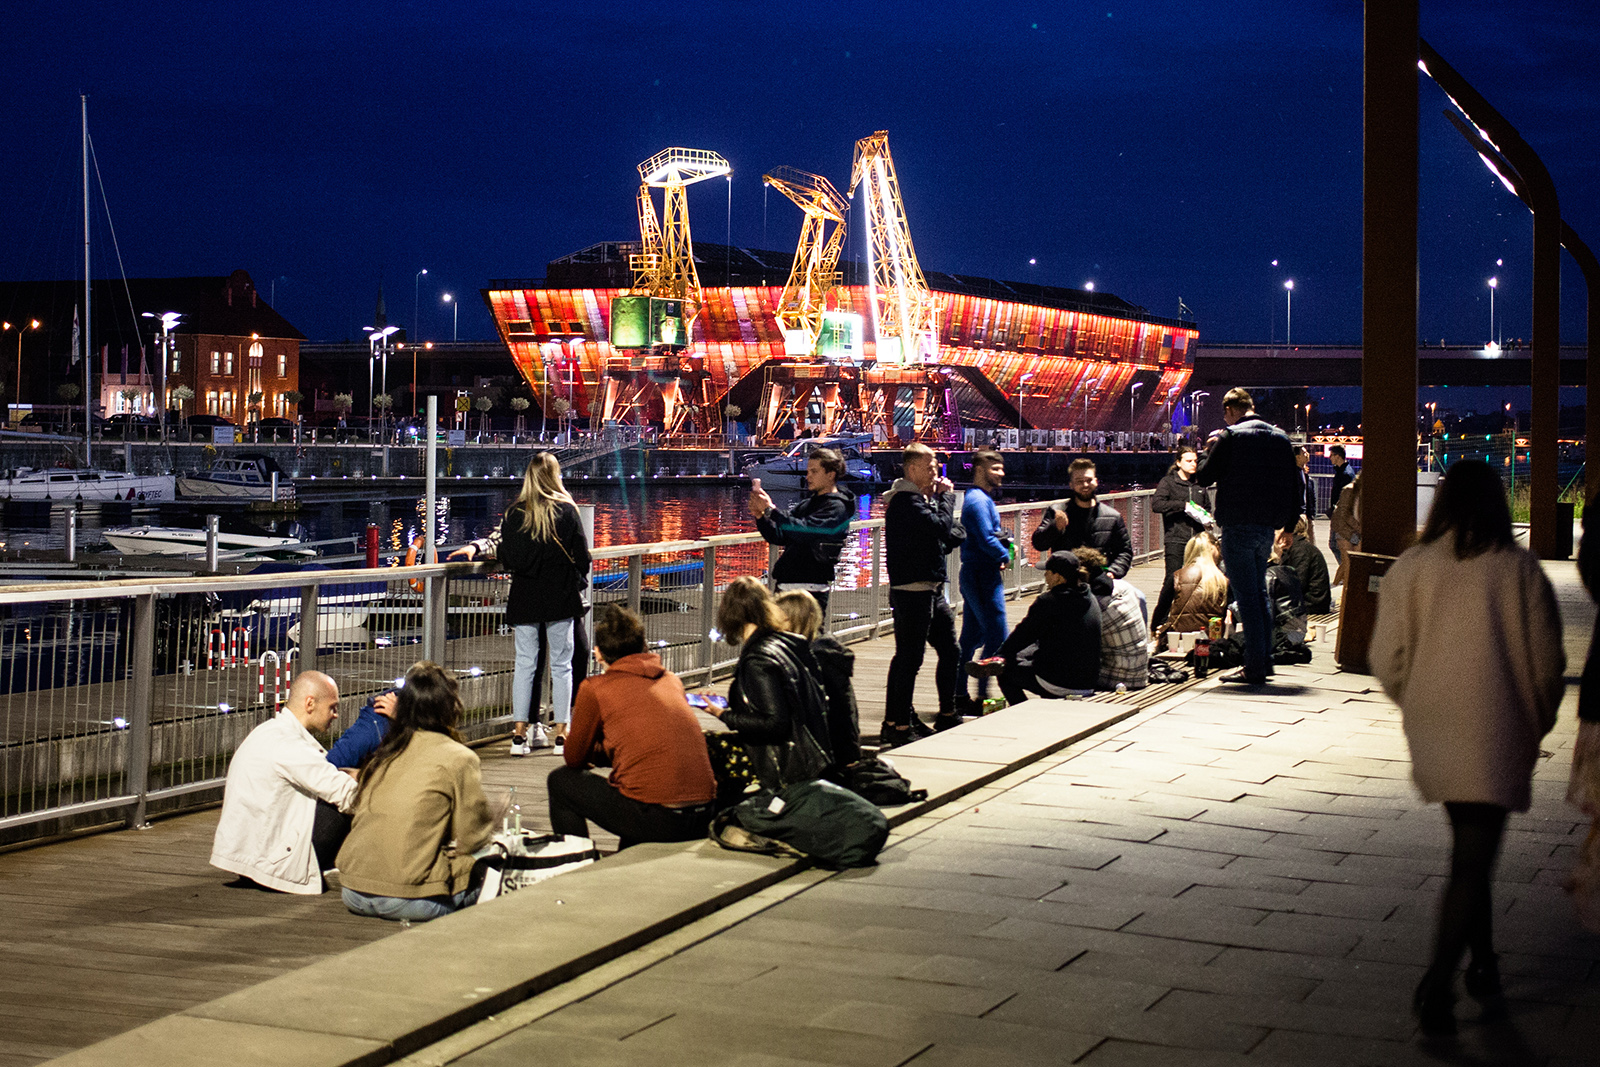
pixel 211 400
pixel 216 364
pixel 227 363
pixel 283 365
pixel 227 405
pixel 177 359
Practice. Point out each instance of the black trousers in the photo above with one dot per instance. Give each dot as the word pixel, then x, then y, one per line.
pixel 1466 913
pixel 328 831
pixel 578 797
pixel 921 619
pixel 1017 681
pixel 1174 558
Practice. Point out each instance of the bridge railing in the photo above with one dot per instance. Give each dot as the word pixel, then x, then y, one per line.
pixel 123 699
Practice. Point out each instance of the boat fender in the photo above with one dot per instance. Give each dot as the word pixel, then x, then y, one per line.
pixel 411 561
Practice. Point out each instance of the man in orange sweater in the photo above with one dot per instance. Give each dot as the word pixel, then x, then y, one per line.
pixel 634 719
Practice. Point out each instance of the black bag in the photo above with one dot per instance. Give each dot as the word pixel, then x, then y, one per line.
pixel 1162 673
pixel 877 780
pixel 1225 652
pixel 825 821
pixel 730 766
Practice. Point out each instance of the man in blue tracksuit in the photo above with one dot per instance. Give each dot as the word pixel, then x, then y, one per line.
pixel 984 554
pixel 364 736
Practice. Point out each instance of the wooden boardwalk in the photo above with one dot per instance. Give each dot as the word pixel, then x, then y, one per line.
pixel 110 930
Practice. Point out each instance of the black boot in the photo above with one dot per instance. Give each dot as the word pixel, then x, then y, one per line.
pixel 1434 1004
pixel 1483 984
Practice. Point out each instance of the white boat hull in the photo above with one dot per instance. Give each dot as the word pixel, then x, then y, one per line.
pixel 88 486
pixel 204 488
pixel 174 541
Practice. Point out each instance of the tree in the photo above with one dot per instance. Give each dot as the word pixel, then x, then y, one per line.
pixel 519 404
pixel 182 394
pixel 130 395
pixel 293 397
pixel 342 403
pixel 68 391
pixel 483 404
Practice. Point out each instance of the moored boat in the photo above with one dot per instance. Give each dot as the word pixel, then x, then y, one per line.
pixel 231 478
pixel 787 470
pixel 26 483
pixel 186 541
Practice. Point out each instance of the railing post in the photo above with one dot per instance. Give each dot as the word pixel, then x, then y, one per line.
pixel 876 548
pixel 1017 534
pixel 141 670
pixel 708 609
pixel 211 543
pixel 435 590
pixel 635 581
pixel 308 627
pixel 72 534
pixel 953 578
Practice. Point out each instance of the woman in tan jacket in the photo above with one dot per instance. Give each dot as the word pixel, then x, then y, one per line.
pixel 1200 589
pixel 419 812
pixel 1468 643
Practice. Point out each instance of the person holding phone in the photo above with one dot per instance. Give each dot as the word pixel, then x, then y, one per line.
pixel 812 532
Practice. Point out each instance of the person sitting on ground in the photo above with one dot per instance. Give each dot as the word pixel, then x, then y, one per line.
pixel 635 719
pixel 1124 638
pixel 1295 551
pixel 366 733
pixel 836 665
pixel 420 811
pixel 1200 589
pixel 774 703
pixel 1287 597
pixel 1055 649
pixel 284 806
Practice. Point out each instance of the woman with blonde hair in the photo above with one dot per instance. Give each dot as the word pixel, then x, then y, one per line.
pixel 775 703
pixel 1200 589
pixel 541 542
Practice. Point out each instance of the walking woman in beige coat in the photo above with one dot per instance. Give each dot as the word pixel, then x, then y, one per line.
pixel 1468 643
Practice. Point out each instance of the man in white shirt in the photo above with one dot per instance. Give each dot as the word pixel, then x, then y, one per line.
pixel 285 808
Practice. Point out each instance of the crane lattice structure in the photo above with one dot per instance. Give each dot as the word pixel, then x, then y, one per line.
pixel 904 314
pixel 664 266
pixel 816 260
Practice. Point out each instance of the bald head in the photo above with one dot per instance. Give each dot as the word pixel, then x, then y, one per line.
pixel 314 700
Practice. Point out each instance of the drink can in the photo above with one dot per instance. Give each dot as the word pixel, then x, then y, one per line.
pixel 1214 628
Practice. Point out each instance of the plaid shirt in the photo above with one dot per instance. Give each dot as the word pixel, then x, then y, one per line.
pixel 1124 640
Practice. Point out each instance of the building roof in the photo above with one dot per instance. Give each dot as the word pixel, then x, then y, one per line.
pixel 605 265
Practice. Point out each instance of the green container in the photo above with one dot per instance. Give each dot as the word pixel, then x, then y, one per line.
pixel 666 323
pixel 840 336
pixel 630 322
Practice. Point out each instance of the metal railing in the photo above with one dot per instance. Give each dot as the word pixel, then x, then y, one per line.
pixel 125 698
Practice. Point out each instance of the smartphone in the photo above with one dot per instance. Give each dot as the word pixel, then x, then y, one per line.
pixel 706 701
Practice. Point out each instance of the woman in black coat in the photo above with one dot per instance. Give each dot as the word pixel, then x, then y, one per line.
pixel 1173 496
pixel 774 703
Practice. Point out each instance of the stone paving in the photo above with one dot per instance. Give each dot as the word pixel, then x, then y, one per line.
pixel 1226 879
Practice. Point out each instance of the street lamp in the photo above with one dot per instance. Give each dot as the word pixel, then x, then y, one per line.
pixel 1132 394
pixel 1194 405
pixel 416 301
pixel 1288 313
pixel 1021 383
pixel 168 319
pixel 1088 389
pixel 33 324
pixel 1494 283
pixel 455 314
pixel 378 340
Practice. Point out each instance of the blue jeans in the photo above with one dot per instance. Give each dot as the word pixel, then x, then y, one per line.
pixel 526 667
pixel 1244 553
pixel 983 617
pixel 410 909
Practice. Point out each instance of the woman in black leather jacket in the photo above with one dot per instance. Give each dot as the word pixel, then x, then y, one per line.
pixel 774 703
pixel 1172 498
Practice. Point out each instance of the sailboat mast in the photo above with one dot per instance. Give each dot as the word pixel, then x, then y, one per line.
pixel 88 397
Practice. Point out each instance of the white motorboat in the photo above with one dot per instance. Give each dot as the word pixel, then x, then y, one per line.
pixel 186 541
pixel 26 483
pixel 231 478
pixel 788 469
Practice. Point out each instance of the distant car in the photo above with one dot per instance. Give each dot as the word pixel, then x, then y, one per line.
pixel 275 429
pixel 128 426
pixel 200 426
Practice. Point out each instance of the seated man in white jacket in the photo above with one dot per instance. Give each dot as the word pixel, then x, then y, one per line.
pixel 285 807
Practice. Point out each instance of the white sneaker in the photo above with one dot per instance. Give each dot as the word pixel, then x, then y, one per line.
pixel 520 746
pixel 538 736
pixel 560 744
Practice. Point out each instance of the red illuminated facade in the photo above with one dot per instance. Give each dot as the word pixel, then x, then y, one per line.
pixel 559 340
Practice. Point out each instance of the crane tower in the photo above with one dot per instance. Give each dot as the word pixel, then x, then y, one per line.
pixel 816 260
pixel 904 314
pixel 664 266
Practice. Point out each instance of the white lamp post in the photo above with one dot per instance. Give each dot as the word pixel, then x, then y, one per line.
pixel 1288 313
pixel 1194 405
pixel 169 319
pixel 1132 394
pixel 455 314
pixel 1494 283
pixel 379 342
pixel 416 301
pixel 1021 384
pixel 1088 389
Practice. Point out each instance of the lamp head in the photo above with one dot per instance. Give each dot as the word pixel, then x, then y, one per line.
pixel 1494 283
pixel 1289 284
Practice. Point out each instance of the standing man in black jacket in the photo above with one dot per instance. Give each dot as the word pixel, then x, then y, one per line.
pixel 1258 493
pixel 920 528
pixel 1173 496
pixel 812 532
pixel 1082 519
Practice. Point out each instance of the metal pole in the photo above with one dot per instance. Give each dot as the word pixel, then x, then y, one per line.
pixel 435 617
pixel 432 475
pixel 141 670
pixel 274 487
pixel 1389 278
pixel 211 543
pixel 877 579
pixel 586 518
pixel 708 609
pixel 72 534
pixel 88 397
pixel 635 581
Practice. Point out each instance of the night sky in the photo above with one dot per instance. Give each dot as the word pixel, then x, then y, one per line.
pixel 1162 150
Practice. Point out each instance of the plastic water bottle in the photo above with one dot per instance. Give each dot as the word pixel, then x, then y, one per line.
pixel 1122 687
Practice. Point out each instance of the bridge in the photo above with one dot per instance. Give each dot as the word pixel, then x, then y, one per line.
pixel 1223 366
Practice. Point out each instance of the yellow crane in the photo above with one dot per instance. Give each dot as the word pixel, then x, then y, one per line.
pixel 664 265
pixel 904 314
pixel 816 260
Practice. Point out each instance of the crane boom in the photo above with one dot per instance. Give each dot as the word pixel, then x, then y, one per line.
pixel 816 260
pixel 664 266
pixel 904 314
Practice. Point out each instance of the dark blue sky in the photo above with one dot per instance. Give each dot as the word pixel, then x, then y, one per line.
pixel 1159 149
